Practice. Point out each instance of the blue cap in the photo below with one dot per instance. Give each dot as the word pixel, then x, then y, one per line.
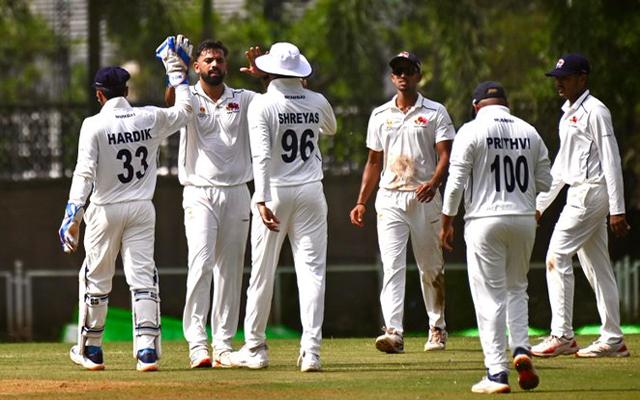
pixel 405 55
pixel 570 64
pixel 111 78
pixel 488 90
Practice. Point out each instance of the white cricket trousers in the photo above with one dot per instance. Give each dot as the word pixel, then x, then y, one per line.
pixel 498 253
pixel 128 228
pixel 302 211
pixel 216 221
pixel 582 229
pixel 400 216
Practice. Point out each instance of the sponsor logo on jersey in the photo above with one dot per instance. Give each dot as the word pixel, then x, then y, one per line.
pixel 574 119
pixel 294 97
pixel 299 118
pixel 129 137
pixel 233 107
pixel 129 115
pixel 421 121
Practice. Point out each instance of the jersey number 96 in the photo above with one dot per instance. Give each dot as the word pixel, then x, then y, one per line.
pixel 292 146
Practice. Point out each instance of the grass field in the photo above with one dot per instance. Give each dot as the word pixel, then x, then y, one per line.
pixel 353 369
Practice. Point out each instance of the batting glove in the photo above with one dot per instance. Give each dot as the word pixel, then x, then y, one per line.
pixel 175 54
pixel 69 232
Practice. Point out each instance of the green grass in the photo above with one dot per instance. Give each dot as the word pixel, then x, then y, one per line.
pixel 353 369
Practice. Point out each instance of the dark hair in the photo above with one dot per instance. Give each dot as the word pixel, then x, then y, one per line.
pixel 110 93
pixel 209 44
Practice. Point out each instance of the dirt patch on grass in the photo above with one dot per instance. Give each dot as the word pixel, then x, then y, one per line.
pixel 33 386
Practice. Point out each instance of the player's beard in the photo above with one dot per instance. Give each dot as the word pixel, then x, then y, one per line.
pixel 213 80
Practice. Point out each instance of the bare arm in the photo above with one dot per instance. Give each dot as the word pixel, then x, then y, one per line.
pixel 370 177
pixel 170 96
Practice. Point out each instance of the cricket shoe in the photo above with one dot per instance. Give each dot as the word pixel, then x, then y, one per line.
pixel 490 384
pixel 147 360
pixel 437 339
pixel 527 377
pixel 554 346
pixel 222 359
pixel 200 359
pixel 253 358
pixel 390 342
pixel 603 349
pixel 309 362
pixel 91 359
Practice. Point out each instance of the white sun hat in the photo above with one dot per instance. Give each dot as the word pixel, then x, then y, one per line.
pixel 284 59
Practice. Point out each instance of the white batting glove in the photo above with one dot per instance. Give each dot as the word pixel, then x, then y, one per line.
pixel 175 54
pixel 69 232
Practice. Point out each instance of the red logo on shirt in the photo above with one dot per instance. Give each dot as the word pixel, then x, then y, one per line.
pixel 421 121
pixel 574 119
pixel 233 107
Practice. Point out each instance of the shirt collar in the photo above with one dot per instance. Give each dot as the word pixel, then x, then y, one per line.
pixel 418 102
pixel 285 85
pixel 115 102
pixel 226 93
pixel 492 109
pixel 576 104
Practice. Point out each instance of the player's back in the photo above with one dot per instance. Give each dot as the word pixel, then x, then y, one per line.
pixel 123 141
pixel 509 164
pixel 286 122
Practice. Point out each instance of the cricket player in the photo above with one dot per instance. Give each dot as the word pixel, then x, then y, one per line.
pixel 409 140
pixel 500 162
pixel 117 166
pixel 589 162
pixel 285 125
pixel 214 166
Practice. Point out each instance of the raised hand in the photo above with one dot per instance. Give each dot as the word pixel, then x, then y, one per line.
pixel 252 69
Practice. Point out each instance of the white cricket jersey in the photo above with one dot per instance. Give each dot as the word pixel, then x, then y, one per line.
pixel 214 146
pixel 501 162
pixel 285 124
pixel 408 141
pixel 588 153
pixel 118 149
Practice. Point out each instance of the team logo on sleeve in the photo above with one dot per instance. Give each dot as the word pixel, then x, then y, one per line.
pixel 421 121
pixel 233 107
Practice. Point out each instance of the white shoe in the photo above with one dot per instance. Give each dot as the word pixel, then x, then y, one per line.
pixel 309 362
pixel 222 359
pixel 490 386
pixel 199 358
pixel 602 349
pixel 254 358
pixel 390 342
pixel 91 359
pixel 554 346
pixel 437 339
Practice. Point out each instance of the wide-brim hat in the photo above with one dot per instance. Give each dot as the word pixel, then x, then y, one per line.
pixel 284 59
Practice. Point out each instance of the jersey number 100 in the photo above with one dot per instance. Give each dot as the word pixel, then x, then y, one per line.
pixel 513 175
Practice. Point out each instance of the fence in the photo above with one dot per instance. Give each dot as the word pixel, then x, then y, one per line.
pixel 20 294
pixel 42 142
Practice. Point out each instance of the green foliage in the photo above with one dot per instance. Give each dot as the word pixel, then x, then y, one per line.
pixel 27 44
